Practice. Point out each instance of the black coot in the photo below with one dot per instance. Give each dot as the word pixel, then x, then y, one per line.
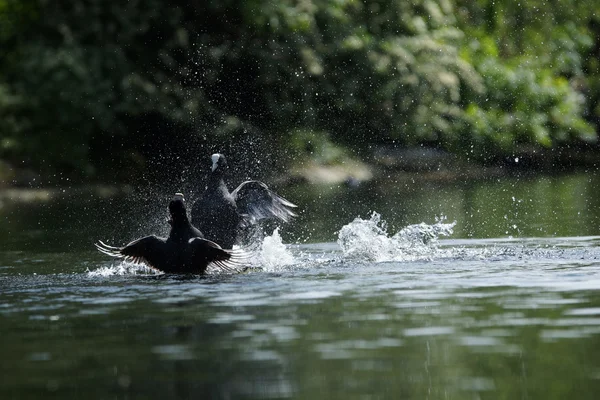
pixel 223 217
pixel 184 251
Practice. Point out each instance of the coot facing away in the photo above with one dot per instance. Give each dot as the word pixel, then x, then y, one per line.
pixel 184 251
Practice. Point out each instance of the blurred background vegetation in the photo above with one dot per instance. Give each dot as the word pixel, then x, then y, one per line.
pixel 128 89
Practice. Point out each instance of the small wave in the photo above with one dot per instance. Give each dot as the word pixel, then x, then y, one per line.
pixel 368 240
pixel 123 268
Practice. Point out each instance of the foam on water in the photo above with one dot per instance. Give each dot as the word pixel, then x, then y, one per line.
pixel 123 268
pixel 368 240
pixel 273 253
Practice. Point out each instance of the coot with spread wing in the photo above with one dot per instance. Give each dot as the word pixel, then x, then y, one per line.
pixel 223 216
pixel 184 251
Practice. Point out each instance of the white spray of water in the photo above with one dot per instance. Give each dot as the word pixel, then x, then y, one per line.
pixel 124 268
pixel 365 240
pixel 368 240
pixel 273 253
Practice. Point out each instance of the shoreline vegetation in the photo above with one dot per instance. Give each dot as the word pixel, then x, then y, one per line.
pixel 388 164
pixel 312 91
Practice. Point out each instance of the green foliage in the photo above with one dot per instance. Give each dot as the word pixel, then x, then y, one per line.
pixel 523 106
pixel 317 146
pixel 530 66
pixel 373 72
pixel 87 86
pixel 552 33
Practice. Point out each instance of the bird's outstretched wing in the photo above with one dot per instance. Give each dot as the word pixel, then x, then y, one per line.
pixel 255 199
pixel 149 250
pixel 207 254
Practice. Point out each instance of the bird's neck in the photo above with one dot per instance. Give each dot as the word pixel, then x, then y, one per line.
pixel 180 228
pixel 216 182
pixel 179 221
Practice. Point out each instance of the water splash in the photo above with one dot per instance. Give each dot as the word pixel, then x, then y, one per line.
pixel 273 253
pixel 123 268
pixel 368 240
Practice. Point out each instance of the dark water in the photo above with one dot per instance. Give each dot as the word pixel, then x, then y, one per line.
pixel 507 306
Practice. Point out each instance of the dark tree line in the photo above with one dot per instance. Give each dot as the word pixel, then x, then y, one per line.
pixel 110 90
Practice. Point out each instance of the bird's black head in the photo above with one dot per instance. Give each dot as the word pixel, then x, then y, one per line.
pixel 177 208
pixel 219 163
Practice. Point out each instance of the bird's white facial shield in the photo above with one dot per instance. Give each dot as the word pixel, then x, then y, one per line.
pixel 178 196
pixel 215 159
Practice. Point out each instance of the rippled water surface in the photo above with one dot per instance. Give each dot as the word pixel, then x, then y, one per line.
pixel 417 312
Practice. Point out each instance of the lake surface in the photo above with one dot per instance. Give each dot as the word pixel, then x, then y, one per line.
pixel 501 299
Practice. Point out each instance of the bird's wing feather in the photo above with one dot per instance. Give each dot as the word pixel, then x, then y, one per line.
pixel 204 251
pixel 149 250
pixel 257 200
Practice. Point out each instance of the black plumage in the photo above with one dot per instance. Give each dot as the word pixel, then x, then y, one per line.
pixel 224 217
pixel 184 251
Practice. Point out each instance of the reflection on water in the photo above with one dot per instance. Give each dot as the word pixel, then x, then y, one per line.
pixel 520 207
pixel 502 317
pixel 435 318
pixel 538 206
